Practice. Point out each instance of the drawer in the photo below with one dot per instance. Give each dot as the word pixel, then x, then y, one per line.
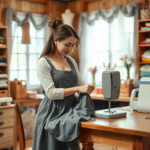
pixel 6 112
pixel 3 93
pixel 6 122
pixel 6 137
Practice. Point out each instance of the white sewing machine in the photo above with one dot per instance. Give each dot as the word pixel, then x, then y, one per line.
pixel 143 103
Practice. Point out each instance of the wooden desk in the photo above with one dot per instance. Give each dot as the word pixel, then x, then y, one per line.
pixel 131 132
pixel 35 102
pixel 28 103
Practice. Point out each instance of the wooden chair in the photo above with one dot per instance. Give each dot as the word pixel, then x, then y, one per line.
pixel 21 130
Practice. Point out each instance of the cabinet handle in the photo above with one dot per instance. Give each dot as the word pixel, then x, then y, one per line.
pixel 1 122
pixel 1 112
pixel 1 133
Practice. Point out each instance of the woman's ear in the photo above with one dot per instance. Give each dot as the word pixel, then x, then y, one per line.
pixel 55 40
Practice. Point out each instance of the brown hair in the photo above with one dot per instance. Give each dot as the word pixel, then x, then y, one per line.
pixel 60 31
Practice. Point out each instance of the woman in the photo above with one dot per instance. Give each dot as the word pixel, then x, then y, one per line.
pixel 60 113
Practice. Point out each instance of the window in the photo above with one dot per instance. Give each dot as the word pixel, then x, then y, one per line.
pixel 105 42
pixel 24 57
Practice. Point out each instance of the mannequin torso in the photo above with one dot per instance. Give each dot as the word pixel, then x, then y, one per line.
pixel 68 17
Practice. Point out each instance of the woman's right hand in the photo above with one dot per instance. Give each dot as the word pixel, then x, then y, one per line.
pixel 86 89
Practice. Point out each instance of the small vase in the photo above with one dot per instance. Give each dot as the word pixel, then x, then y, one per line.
pixel 93 77
pixel 128 73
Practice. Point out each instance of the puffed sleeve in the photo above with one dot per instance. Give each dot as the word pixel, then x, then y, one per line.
pixel 45 78
pixel 80 80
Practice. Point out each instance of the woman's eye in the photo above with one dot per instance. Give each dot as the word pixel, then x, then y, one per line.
pixel 67 45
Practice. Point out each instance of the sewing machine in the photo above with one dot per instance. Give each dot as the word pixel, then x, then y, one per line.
pixel 111 91
pixel 143 103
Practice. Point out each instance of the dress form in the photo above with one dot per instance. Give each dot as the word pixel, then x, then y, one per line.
pixel 68 17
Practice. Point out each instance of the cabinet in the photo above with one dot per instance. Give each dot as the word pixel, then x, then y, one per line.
pixel 7 127
pixel 142 35
pixel 4 90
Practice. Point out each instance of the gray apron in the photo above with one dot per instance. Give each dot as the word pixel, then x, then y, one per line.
pixel 57 122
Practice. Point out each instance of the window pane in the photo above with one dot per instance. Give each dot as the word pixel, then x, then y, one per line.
pixel 21 47
pixel 38 56
pixel 32 46
pixel 19 31
pixel 40 33
pixel 40 45
pixel 101 43
pixel 32 61
pixel 116 55
pixel 14 50
pixel 33 77
pixel 22 61
pixel 32 30
pixel 14 75
pixel 115 42
pixel 22 75
pixel 14 62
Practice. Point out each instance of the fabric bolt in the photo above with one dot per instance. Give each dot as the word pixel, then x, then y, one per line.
pixel 144 74
pixel 145 68
pixel 145 59
pixel 57 122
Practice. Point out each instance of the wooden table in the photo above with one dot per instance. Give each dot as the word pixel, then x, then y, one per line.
pixel 131 132
pixel 35 102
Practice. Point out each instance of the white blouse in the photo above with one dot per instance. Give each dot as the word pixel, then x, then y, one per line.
pixel 45 77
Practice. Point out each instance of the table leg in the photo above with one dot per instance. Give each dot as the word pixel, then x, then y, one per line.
pixel 87 146
pixel 141 143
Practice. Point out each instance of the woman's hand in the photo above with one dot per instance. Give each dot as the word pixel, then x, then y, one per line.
pixel 86 89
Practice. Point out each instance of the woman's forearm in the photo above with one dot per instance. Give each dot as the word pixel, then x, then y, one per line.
pixel 70 91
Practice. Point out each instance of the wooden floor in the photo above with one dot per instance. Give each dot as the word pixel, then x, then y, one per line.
pixel 96 146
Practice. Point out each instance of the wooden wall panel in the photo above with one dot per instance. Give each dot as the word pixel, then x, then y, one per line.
pixel 26 6
pixel 104 4
pixel 75 7
pixel 56 9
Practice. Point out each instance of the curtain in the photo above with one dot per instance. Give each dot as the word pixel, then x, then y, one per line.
pixel 97 37
pixel 11 15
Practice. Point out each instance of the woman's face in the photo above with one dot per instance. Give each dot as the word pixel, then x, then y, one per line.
pixel 66 46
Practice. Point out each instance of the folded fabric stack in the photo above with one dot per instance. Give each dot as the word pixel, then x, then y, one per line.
pixel 145 57
pixel 146 27
pixel 2 41
pixel 147 41
pixel 2 59
pixel 3 77
pixel 145 71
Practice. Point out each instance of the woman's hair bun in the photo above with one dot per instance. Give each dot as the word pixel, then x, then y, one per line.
pixel 55 22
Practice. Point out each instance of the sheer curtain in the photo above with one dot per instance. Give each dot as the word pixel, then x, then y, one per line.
pixel 104 42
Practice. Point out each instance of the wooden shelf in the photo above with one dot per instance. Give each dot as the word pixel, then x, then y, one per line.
pixel 3 47
pixel 143 31
pixel 144 62
pixel 142 35
pixel 145 20
pixel 4 51
pixel 144 45
pixel 3 65
pixel 1 87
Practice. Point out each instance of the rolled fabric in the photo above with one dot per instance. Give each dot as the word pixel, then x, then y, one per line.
pixel 144 74
pixel 145 59
pixel 145 68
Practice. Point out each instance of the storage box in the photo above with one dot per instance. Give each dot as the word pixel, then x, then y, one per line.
pixel 3 93
pixel 18 89
pixel 126 88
